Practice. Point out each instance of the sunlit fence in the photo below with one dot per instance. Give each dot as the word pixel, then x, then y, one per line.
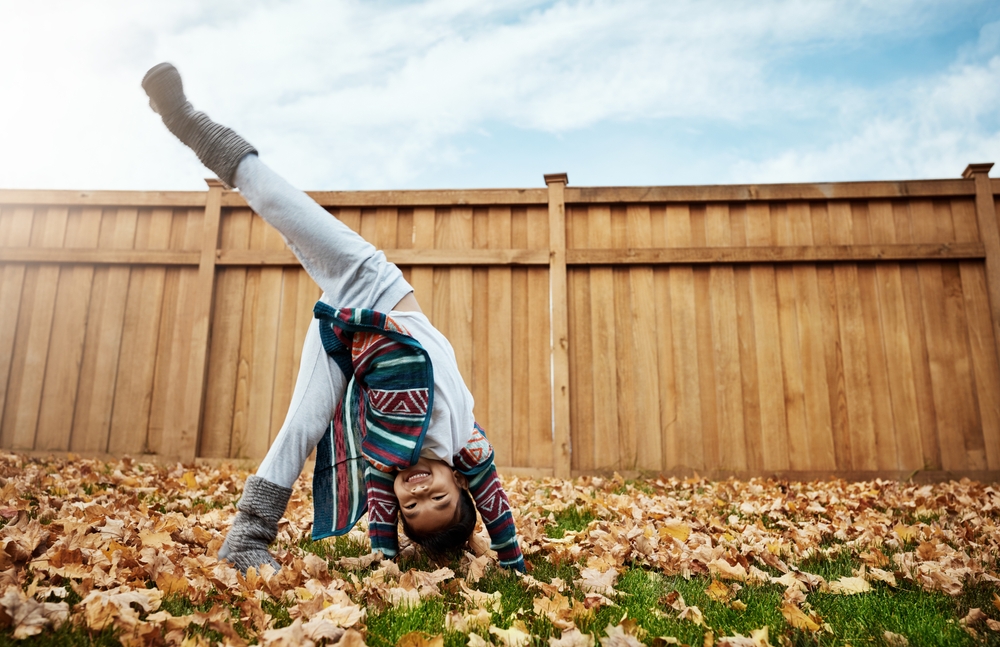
pixel 802 329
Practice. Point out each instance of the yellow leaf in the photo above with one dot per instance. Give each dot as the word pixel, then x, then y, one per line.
pixel 905 533
pixel 719 591
pixel 996 601
pixel 155 539
pixel 797 618
pixel 516 636
pixel 420 639
pixel 850 586
pixel 679 531
pixel 189 481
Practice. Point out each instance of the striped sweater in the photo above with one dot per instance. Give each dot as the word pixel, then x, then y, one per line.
pixel 378 428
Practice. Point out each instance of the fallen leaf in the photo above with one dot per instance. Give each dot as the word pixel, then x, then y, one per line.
pixel 420 639
pixel 596 581
pixel 973 617
pixel 850 586
pixel 516 636
pixel 798 619
pixel 757 638
pixel 895 640
pixel 572 638
pixel 30 617
pixel 617 636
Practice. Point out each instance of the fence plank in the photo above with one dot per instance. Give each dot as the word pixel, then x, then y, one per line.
pixel 689 447
pixel 602 314
pixel 770 377
pixel 581 383
pixel 137 361
pixel 15 231
pixel 724 327
pixel 622 347
pixel 29 393
pixel 549 430
pixel 62 372
pixel 499 326
pixel 645 380
pixel 810 314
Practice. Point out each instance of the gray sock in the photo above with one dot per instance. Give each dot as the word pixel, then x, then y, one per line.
pixel 218 147
pixel 256 525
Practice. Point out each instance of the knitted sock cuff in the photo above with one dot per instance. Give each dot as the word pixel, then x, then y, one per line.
pixel 264 499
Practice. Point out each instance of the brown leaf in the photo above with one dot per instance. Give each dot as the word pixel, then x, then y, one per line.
pixel 619 637
pixel 798 619
pixel 895 640
pixel 420 639
pixel 516 636
pixel 30 617
pixel 572 638
pixel 850 586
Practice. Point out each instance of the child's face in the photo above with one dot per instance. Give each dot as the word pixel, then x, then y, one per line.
pixel 428 494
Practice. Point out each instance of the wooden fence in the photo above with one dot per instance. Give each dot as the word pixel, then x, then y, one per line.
pixel 806 330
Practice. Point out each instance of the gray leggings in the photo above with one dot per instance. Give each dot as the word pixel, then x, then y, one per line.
pixel 351 273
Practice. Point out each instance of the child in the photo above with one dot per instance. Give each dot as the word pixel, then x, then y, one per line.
pixel 378 394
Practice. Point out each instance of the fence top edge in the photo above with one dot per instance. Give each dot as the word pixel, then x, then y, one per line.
pixel 53 197
pixel 417 198
pixel 818 191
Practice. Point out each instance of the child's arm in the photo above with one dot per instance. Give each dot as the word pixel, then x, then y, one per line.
pixel 475 460
pixel 383 510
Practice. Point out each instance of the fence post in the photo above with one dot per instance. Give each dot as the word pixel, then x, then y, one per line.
pixel 558 304
pixel 200 314
pixel 986 215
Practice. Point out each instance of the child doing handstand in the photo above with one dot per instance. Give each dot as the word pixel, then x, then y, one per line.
pixel 378 393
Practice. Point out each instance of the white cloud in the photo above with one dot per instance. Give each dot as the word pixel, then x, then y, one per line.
pixel 355 94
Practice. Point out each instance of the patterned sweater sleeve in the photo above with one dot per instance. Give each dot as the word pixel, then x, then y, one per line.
pixel 475 460
pixel 383 510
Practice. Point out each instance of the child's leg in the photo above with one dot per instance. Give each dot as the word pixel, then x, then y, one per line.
pixel 349 270
pixel 319 386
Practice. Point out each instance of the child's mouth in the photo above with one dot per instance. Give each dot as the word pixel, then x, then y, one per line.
pixel 417 477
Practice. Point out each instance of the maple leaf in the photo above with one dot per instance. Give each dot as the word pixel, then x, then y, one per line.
pixel 798 619
pixel 618 636
pixel 596 581
pixel 973 617
pixel 516 636
pixel 420 639
pixel 572 638
pixel 850 586
pixel 757 638
pixel 30 617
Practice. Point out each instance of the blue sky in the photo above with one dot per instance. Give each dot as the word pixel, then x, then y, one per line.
pixel 480 93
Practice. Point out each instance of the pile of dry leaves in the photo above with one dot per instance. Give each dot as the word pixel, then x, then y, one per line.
pixel 116 539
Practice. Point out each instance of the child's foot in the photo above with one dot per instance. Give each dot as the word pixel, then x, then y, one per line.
pixel 218 147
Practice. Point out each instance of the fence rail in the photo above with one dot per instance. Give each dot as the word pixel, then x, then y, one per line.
pixel 799 329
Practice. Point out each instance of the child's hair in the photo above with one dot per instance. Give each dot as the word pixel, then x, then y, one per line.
pixel 450 539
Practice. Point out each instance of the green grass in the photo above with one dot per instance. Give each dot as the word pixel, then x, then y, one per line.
pixel 571 519
pixel 924 618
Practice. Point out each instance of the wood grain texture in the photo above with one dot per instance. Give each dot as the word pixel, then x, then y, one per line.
pixel 779 329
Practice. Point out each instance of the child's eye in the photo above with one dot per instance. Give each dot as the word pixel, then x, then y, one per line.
pixel 439 497
pixel 410 506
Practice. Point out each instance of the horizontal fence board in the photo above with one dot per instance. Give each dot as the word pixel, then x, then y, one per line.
pixel 785 254
pixel 104 198
pixel 771 192
pixel 418 198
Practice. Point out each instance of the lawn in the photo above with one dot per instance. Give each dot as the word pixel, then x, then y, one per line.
pixel 122 553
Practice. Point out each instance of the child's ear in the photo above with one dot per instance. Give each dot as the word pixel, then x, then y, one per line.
pixel 460 480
